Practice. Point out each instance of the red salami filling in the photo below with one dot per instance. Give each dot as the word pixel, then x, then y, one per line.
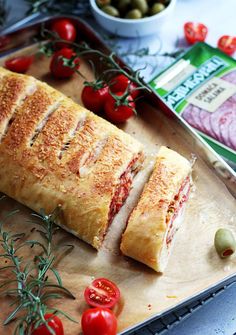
pixel 175 208
pixel 123 188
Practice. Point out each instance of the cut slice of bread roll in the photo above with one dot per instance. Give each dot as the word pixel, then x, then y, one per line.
pixel 153 223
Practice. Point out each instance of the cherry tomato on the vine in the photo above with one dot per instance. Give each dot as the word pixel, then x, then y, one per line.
pixel 195 32
pixel 65 30
pixel 94 99
pixel 99 321
pixel 121 112
pixel 120 83
pixel 19 64
pixel 102 292
pixel 57 67
pixel 227 44
pixel 54 323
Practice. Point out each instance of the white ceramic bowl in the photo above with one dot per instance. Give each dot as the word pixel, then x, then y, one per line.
pixel 132 28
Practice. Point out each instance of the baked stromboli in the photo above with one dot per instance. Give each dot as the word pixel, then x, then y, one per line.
pixel 53 151
pixel 153 223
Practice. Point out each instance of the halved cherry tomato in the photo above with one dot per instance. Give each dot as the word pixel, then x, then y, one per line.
pixel 19 64
pixel 119 113
pixel 99 321
pixel 227 44
pixel 58 69
pixel 102 292
pixel 94 99
pixel 120 84
pixel 65 30
pixel 195 32
pixel 55 324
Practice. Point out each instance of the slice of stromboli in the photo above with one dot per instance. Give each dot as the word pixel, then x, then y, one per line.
pixel 53 151
pixel 153 223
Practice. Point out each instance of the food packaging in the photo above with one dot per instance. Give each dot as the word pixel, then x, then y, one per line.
pixel 201 87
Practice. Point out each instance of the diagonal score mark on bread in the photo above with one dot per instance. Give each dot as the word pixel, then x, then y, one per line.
pixel 13 92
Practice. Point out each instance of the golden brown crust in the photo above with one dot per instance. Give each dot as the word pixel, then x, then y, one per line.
pixel 12 91
pixel 143 238
pixel 56 152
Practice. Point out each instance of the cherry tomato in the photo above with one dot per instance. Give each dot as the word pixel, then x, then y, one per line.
pixel 227 44
pixel 94 99
pixel 120 84
pixel 19 64
pixel 57 68
pixel 195 32
pixel 121 113
pixel 102 292
pixel 55 323
pixel 65 30
pixel 99 321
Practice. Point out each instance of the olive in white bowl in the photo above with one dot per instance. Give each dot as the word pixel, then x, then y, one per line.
pixel 137 18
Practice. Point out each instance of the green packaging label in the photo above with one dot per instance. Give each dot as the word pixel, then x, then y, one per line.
pixel 201 87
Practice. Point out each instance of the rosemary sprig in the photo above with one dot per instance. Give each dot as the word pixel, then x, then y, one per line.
pixel 83 49
pixel 32 286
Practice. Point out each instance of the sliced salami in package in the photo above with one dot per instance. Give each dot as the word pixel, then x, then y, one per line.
pixel 201 87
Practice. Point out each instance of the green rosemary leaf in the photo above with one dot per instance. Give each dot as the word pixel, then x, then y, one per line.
pixel 46 323
pixel 48 285
pixel 49 296
pixel 56 274
pixel 31 276
pixel 19 330
pixel 15 301
pixel 58 311
pixel 61 252
pixel 12 292
pixel 32 243
pixel 10 214
pixel 12 315
pixel 7 267
pixel 8 282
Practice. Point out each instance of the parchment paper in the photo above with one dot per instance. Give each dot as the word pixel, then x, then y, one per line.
pixel 193 265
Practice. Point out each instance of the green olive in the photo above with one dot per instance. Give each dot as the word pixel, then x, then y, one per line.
pixel 110 10
pixel 225 243
pixel 134 14
pixel 157 8
pixel 123 4
pixel 141 5
pixel 102 3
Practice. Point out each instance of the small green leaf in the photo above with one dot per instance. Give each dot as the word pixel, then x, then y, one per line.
pixel 12 315
pixel 56 274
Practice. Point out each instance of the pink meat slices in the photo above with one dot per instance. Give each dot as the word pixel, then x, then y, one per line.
pixel 233 98
pixel 206 124
pixel 230 77
pixel 225 122
pixel 215 124
pixel 215 118
pixel 187 115
pixel 221 124
pixel 196 117
pixel 232 134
